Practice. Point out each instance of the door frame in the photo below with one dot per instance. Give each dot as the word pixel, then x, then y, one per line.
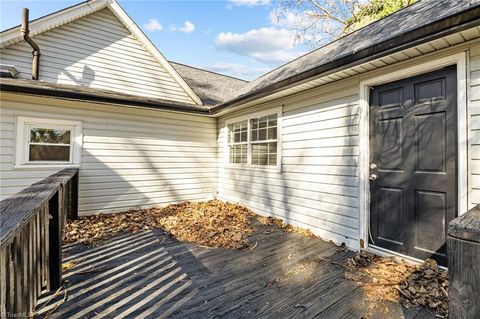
pixel 460 61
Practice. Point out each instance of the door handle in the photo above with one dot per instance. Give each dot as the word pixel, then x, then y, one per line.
pixel 372 177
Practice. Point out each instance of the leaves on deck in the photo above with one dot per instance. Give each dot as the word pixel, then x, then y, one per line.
pixel 386 279
pixel 282 225
pixel 213 223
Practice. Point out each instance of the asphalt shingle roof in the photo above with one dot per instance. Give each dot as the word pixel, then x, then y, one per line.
pixel 212 88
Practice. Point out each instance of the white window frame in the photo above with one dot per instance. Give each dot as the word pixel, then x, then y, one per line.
pixel 22 138
pixel 248 117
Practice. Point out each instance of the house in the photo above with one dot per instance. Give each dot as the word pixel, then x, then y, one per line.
pixel 372 140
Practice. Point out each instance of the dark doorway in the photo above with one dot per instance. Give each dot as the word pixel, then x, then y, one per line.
pixel 413 163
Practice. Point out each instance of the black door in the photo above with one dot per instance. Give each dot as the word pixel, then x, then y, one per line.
pixel 413 147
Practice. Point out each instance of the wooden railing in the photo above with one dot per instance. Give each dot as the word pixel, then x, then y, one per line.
pixel 31 231
pixel 463 245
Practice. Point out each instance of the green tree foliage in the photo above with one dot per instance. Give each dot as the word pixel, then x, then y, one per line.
pixel 372 11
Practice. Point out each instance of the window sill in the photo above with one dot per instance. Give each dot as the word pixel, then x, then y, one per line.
pixel 269 169
pixel 35 166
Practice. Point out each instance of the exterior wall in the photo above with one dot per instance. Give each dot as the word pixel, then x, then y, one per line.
pixel 473 97
pixel 130 157
pixel 318 186
pixel 318 183
pixel 96 51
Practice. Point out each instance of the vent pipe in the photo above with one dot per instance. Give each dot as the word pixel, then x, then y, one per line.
pixel 36 50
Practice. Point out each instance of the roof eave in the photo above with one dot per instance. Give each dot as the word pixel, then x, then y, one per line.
pixel 102 99
pixel 449 25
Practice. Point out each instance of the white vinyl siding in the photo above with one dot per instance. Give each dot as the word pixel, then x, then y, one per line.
pixel 318 183
pixel 474 125
pixel 318 186
pixel 99 52
pixel 130 158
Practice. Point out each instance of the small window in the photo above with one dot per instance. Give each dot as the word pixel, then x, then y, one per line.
pixel 254 141
pixel 238 142
pixel 46 145
pixel 47 142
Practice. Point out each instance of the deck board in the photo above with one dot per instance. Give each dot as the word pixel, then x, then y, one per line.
pixel 152 275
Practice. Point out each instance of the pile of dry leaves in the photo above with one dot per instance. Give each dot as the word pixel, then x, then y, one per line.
pixel 387 279
pixel 213 223
pixel 284 226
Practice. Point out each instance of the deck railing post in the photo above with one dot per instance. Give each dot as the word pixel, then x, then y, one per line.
pixel 55 242
pixel 73 209
pixel 463 245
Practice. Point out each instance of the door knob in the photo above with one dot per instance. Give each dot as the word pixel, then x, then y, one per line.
pixel 373 166
pixel 372 177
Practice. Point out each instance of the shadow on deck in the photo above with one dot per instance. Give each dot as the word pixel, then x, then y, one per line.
pixel 150 274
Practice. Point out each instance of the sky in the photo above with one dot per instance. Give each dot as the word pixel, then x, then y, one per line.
pixel 241 38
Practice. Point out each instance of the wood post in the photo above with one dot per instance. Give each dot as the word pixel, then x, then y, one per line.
pixel 55 242
pixel 463 243
pixel 73 209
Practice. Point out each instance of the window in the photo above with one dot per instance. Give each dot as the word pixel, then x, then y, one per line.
pixel 47 142
pixel 254 140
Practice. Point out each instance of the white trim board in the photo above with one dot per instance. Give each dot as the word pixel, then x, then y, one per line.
pixel 75 12
pixel 460 61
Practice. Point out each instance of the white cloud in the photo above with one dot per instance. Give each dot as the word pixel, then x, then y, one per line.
pixel 187 27
pixel 153 25
pixel 286 19
pixel 266 45
pixel 250 3
pixel 238 70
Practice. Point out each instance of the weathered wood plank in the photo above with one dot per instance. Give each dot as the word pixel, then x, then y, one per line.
pixel 464 278
pixel 3 281
pixel 11 284
pixel 18 209
pixel 466 226
pixel 19 274
pixel 55 241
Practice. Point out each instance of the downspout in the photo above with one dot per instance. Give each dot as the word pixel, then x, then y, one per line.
pixel 24 30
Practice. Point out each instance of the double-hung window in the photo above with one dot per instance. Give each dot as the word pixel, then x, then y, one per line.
pixel 47 142
pixel 254 140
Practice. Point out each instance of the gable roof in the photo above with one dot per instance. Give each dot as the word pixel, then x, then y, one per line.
pixel 417 23
pixel 59 18
pixel 213 88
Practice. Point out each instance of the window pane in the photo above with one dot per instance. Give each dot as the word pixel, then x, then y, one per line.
pixel 262 121
pixel 272 147
pixel 49 153
pixel 254 123
pixel 272 120
pixel 272 159
pixel 244 136
pixel 272 133
pixel 254 135
pixel 43 135
pixel 262 134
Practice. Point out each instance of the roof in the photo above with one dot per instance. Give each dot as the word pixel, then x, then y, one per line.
pixel 87 94
pixel 413 23
pixel 72 13
pixel 421 22
pixel 211 87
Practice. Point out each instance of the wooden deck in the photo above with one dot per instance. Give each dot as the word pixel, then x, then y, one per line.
pixel 151 275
